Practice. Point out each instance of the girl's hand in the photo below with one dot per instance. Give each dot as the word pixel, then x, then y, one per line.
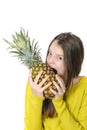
pixel 36 88
pixel 60 87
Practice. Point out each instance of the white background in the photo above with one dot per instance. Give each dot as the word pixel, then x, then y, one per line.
pixel 44 19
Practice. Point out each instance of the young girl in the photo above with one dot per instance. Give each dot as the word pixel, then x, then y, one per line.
pixel 68 109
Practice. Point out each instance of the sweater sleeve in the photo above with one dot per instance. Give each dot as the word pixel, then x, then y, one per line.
pixel 33 110
pixel 67 119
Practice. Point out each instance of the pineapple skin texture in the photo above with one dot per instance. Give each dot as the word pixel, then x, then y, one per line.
pixel 46 71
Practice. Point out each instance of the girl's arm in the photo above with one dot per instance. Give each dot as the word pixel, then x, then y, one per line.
pixel 75 116
pixel 68 121
pixel 34 101
pixel 33 110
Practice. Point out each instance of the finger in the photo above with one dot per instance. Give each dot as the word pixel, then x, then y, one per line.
pixel 43 81
pixel 53 91
pixel 45 87
pixel 38 76
pixel 61 82
pixel 57 86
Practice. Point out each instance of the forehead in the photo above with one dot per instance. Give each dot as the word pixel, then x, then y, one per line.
pixel 56 48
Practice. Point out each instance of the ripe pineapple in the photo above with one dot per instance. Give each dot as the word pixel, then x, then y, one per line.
pixel 29 54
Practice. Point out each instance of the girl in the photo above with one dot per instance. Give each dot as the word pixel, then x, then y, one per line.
pixel 68 109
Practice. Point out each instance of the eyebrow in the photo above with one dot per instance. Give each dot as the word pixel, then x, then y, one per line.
pixel 60 55
pixel 49 50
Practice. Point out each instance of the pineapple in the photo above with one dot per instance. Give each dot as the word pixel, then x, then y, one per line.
pixel 29 54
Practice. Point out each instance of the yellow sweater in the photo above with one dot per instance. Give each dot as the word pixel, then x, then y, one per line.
pixel 72 110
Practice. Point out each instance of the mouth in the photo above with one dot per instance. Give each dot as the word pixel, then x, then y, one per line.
pixel 55 71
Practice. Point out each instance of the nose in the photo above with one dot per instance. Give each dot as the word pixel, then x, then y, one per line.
pixel 51 60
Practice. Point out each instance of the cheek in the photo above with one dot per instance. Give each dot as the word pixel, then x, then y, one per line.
pixel 61 69
pixel 47 60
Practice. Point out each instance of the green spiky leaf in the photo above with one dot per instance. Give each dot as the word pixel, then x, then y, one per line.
pixel 27 52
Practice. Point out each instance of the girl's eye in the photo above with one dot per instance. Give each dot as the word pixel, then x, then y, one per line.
pixel 59 58
pixel 49 53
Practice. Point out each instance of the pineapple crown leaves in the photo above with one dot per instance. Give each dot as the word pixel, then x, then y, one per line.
pixel 28 52
pixel 20 40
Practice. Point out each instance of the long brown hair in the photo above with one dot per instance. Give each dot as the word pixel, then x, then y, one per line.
pixel 73 56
